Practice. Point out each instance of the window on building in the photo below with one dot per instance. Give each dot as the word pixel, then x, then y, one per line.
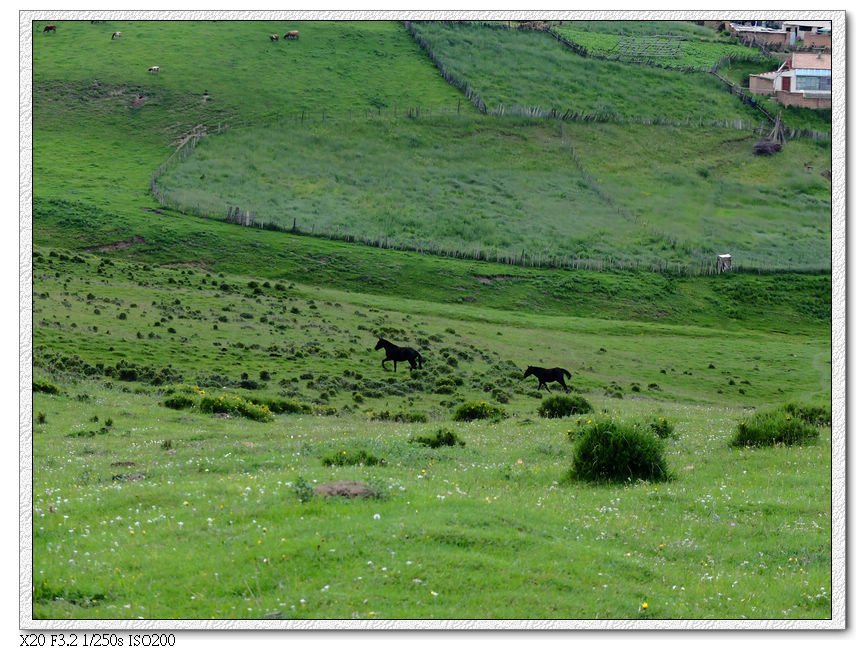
pixel 813 83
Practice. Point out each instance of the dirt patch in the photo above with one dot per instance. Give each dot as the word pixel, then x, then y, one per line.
pixel 138 476
pixel 123 463
pixel 349 489
pixel 489 279
pixel 116 246
pixel 191 264
pixel 156 211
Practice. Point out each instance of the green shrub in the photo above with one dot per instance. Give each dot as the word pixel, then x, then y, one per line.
pixel 661 426
pixel 234 405
pixel 303 490
pixel 179 401
pixel 560 406
pixel 445 386
pixel 606 450
pixel 774 427
pixel 282 405
pixel 350 458
pixel 442 438
pixel 468 411
pixel 401 416
pixel 42 386
pixel 819 416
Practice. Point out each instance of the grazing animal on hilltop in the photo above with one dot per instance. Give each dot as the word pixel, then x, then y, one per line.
pixel 49 28
pixel 293 35
pixel 116 35
pixel 548 374
pixel 274 37
pixel 154 69
pixel 396 353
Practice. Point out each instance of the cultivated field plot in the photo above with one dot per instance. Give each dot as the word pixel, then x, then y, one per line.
pixel 647 196
pixel 511 68
pixel 148 505
pixel 682 29
pixel 675 52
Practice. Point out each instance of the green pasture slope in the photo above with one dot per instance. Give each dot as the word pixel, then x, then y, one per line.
pixel 528 68
pixel 512 188
pixel 144 510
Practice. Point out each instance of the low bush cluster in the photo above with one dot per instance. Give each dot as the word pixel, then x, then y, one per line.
pixel 179 401
pixel 275 405
pixel 661 426
pixel 609 451
pixel 401 416
pixel 819 416
pixel 561 406
pixel 350 458
pixel 234 405
pixel 774 427
pixel 43 386
pixel 469 411
pixel 442 438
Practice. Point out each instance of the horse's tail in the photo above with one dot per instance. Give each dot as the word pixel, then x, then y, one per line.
pixel 566 373
pixel 419 360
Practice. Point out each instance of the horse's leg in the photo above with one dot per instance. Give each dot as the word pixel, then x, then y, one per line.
pixel 384 361
pixel 564 385
pixel 394 365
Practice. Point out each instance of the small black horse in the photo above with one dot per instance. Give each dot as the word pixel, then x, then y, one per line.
pixel 396 353
pixel 548 374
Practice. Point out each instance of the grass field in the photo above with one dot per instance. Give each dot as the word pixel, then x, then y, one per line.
pixel 517 188
pixel 512 68
pixel 119 478
pixel 194 381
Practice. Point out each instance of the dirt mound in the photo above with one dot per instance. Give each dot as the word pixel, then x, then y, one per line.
pixel 350 489
pixel 116 246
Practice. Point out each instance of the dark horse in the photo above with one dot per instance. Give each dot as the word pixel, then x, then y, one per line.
pixel 49 28
pixel 396 353
pixel 548 374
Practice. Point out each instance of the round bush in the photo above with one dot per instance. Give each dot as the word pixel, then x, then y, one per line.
pixel 774 427
pixel 179 401
pixel 562 406
pixel 469 411
pixel 661 426
pixel 609 451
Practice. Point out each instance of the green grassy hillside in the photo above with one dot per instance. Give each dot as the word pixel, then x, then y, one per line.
pixel 515 188
pixel 120 477
pixel 527 68
pixel 194 381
